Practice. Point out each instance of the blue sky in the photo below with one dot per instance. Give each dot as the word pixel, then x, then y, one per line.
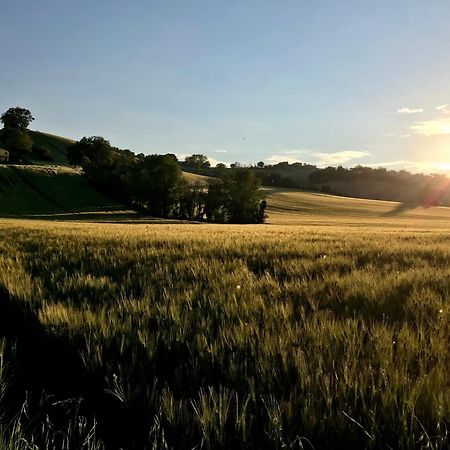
pixel 326 82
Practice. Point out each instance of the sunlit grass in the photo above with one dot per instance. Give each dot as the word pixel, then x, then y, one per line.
pixel 216 336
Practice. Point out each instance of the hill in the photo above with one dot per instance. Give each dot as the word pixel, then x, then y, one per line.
pixel 291 206
pixel 56 145
pixel 46 190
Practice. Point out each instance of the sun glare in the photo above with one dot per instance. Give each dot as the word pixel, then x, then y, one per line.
pixel 432 127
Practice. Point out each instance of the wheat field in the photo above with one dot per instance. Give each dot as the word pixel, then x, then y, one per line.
pixel 319 334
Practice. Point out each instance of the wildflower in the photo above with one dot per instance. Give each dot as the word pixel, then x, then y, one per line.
pixel 238 286
pixel 441 311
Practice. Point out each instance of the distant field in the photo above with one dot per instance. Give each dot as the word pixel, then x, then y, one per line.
pixel 220 336
pixel 290 206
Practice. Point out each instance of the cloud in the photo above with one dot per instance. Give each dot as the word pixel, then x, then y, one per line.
pixel 443 108
pixel 285 157
pixel 220 151
pixel 432 127
pixel 396 135
pixel 415 166
pixel 409 110
pixel 320 159
pixel 290 156
pixel 330 159
pixel 214 162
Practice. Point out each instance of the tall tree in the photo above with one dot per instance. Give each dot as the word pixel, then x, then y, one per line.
pixel 158 184
pixel 16 118
pixel 197 161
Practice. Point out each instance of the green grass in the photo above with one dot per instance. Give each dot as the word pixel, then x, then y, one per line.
pixel 220 336
pixel 56 145
pixel 48 190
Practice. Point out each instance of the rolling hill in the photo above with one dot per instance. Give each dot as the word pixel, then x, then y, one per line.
pixel 56 145
pixel 59 191
pixel 291 206
pixel 48 190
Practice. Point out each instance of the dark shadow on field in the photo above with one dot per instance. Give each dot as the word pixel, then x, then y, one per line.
pixel 127 217
pixel 47 371
pixel 400 209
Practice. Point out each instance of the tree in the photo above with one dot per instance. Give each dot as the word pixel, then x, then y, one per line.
pixel 17 118
pixel 237 199
pixel 244 196
pixel 158 184
pixel 197 161
pixel 91 153
pixel 261 164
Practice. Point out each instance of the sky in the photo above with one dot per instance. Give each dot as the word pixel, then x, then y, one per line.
pixel 324 82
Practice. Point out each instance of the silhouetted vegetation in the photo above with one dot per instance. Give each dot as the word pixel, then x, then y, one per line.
pixel 155 184
pixel 15 136
pixel 426 190
pixel 17 118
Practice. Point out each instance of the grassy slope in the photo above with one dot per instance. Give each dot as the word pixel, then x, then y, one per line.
pixel 50 190
pixel 290 206
pixel 36 190
pixel 56 145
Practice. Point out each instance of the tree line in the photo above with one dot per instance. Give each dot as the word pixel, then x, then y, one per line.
pixel 155 184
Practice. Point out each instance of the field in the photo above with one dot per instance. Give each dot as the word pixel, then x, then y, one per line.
pixel 326 329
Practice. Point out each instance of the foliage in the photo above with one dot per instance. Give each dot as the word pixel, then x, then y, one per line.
pixel 197 161
pixel 17 118
pixel 243 337
pixel 419 185
pixel 155 183
pixel 17 140
pixel 237 199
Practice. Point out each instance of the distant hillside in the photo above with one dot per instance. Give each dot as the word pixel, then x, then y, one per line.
pixel 43 190
pixel 43 143
pixel 291 206
pixel 56 145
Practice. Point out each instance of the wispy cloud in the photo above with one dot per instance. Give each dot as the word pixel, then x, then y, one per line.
pixel 220 151
pixel 339 157
pixel 313 157
pixel 432 127
pixel 410 110
pixel 415 166
pixel 397 135
pixel 443 109
pixel 290 156
pixel 285 157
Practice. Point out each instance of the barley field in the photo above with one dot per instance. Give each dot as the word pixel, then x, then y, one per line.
pixel 313 333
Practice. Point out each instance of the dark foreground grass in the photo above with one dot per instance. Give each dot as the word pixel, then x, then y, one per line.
pixel 225 337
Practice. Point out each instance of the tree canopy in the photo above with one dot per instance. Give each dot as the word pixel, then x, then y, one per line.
pixel 155 184
pixel 17 118
pixel 197 161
